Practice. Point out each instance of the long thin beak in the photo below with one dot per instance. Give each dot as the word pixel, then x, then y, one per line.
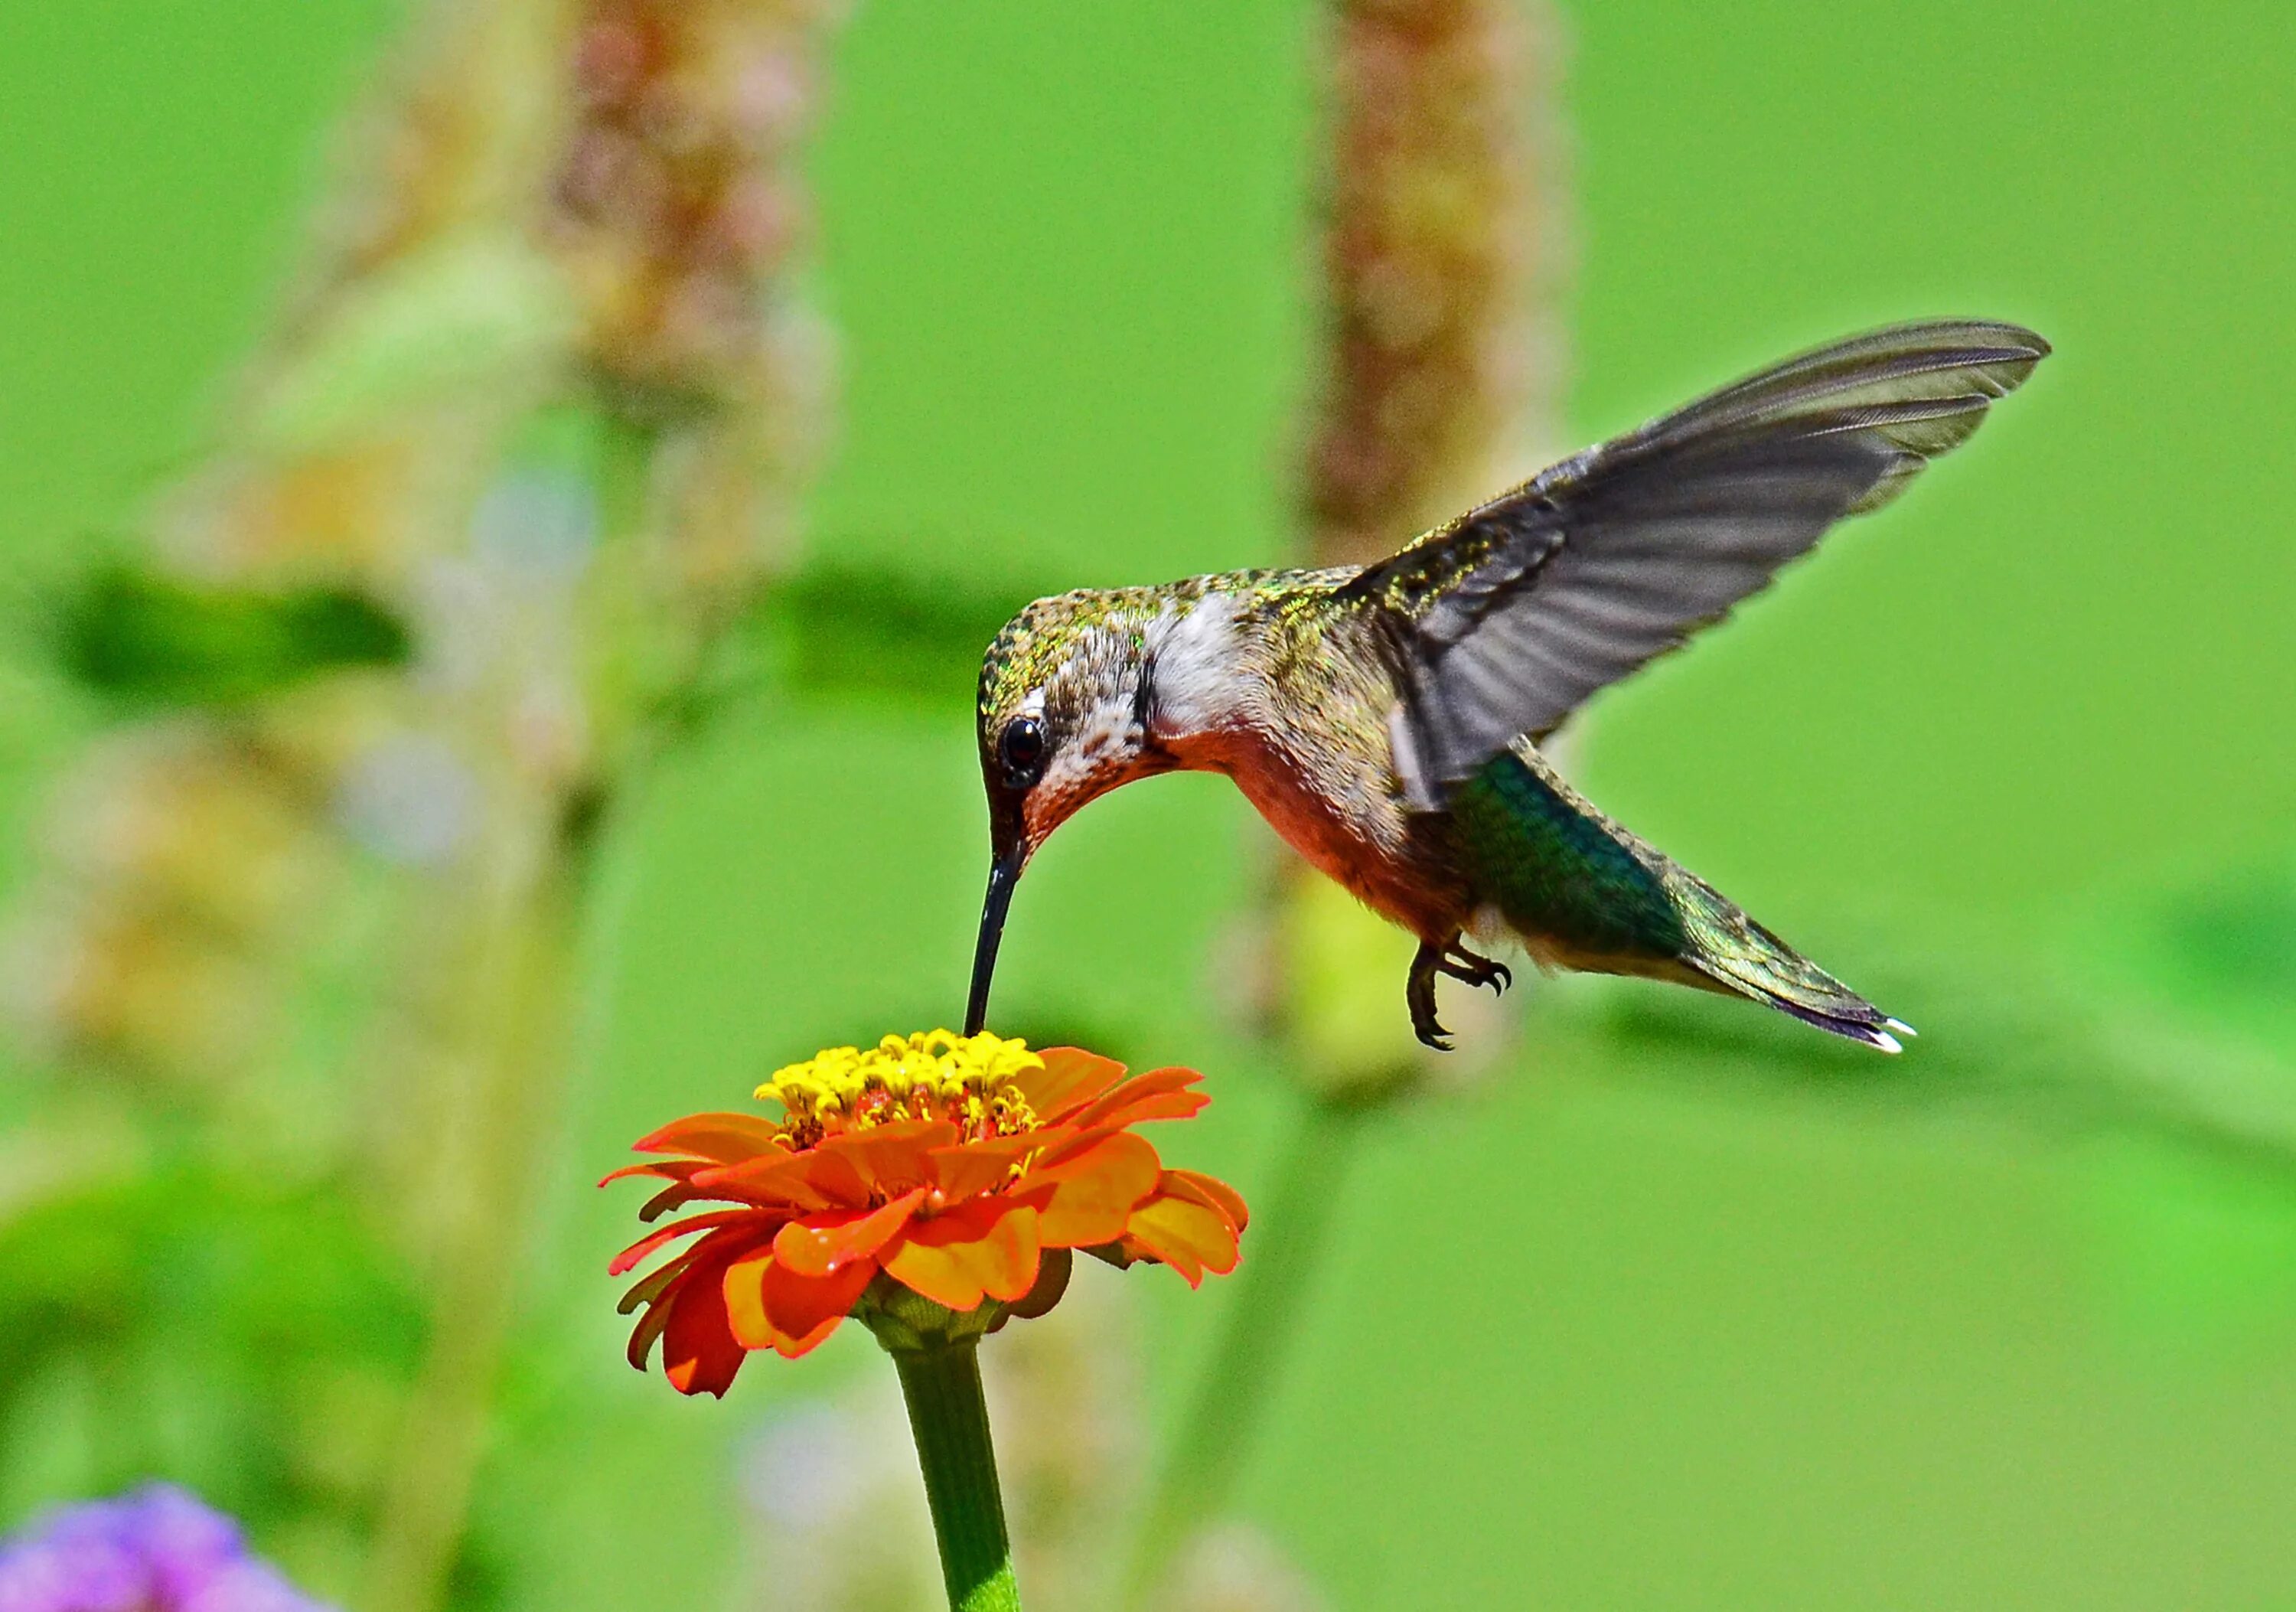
pixel 1003 873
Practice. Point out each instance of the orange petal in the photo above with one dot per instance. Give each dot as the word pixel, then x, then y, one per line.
pixel 1071 1078
pixel 723 1243
pixel 726 1138
pixel 838 1180
pixel 821 1245
pixel 1092 1194
pixel 1057 1146
pixel 656 1293
pixel 667 1171
pixel 678 1173
pixel 1190 1237
pixel 742 1288
pixel 649 1288
pixel 983 1248
pixel 629 1258
pixel 1161 1094
pixel 675 1195
pixel 972 1168
pixel 1160 1106
pixel 890 1159
pixel 804 1310
pixel 794 1179
pixel 769 1306
pixel 1218 1192
pixel 699 1352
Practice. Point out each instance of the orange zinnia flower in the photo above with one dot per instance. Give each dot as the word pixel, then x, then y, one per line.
pixel 947 1165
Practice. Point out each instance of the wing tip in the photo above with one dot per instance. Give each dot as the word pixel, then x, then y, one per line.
pixel 2029 342
pixel 2017 340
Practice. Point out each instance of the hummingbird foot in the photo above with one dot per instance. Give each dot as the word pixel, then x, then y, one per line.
pixel 1419 992
pixel 1461 964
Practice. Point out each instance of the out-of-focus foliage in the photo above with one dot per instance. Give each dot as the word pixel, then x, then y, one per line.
pixel 527 436
pixel 1680 1307
pixel 849 629
pixel 838 631
pixel 140 637
pixel 253 1336
pixel 2222 949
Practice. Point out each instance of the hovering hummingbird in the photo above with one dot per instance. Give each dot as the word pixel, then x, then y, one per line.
pixel 1386 720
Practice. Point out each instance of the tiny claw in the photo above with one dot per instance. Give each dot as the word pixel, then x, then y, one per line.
pixel 1428 1028
pixel 1419 992
pixel 1461 964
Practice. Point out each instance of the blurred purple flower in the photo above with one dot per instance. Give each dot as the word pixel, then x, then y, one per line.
pixel 158 1550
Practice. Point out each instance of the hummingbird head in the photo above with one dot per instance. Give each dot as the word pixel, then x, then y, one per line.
pixel 1063 717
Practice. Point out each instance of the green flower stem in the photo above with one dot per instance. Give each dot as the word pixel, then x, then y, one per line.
pixel 506 1019
pixel 950 1420
pixel 1288 1237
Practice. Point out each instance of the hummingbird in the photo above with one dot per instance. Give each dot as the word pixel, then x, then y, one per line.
pixel 1386 720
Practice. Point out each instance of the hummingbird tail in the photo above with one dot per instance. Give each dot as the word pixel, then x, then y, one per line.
pixel 1583 893
pixel 1739 955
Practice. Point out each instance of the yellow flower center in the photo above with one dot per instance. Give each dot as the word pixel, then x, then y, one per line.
pixel 966 1080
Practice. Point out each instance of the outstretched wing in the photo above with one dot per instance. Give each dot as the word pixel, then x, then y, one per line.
pixel 1509 617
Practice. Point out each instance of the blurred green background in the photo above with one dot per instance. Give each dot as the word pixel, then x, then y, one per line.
pixel 1672 1310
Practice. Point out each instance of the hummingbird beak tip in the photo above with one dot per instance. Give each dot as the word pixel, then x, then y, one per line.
pixel 1003 873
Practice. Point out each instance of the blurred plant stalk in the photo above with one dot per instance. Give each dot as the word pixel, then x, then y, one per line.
pixel 1445 231
pixel 1444 235
pixel 1444 239
pixel 550 398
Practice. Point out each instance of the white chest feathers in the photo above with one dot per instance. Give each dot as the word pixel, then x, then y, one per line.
pixel 1201 684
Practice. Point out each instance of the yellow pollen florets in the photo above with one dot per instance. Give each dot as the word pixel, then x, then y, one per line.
pixel 966 1080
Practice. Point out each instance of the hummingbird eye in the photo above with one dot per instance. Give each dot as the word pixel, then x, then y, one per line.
pixel 1020 748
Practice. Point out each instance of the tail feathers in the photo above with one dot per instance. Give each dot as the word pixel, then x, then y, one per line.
pixel 1846 1014
pixel 1585 894
pixel 1740 956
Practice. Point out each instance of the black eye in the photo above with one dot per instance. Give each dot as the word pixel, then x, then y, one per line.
pixel 1021 747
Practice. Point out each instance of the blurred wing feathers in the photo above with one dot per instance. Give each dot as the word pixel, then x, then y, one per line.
pixel 1509 617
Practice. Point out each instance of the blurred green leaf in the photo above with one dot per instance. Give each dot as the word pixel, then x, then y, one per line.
pixel 2241 935
pixel 216 1309
pixel 835 631
pixel 863 631
pixel 146 639
pixel 2221 951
